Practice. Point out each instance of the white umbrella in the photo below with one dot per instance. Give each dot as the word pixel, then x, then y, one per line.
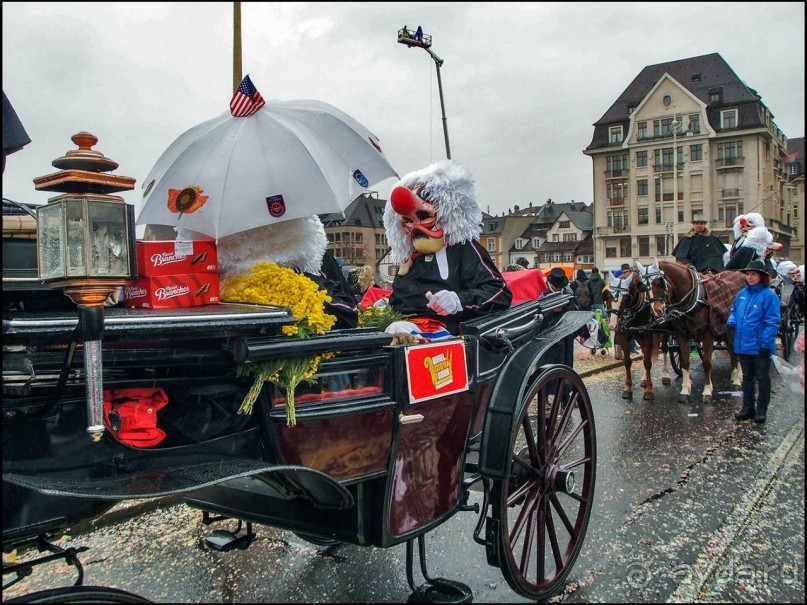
pixel 290 159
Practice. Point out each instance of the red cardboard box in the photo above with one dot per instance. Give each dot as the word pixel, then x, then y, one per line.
pixel 176 257
pixel 172 291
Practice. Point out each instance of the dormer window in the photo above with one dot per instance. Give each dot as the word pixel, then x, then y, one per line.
pixel 696 77
pixel 716 95
pixel 728 119
pixel 615 135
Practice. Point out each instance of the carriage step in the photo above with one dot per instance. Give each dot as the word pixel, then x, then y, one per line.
pixel 225 540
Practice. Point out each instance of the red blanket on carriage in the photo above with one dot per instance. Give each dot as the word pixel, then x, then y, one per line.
pixel 721 290
pixel 525 285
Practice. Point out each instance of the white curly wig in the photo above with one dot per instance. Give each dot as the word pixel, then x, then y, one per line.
pixel 758 238
pixel 451 189
pixel 296 244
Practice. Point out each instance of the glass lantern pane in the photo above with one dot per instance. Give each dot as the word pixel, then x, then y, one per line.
pixel 50 238
pixel 74 219
pixel 108 232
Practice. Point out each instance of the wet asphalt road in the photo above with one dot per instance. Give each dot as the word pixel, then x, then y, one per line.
pixel 690 506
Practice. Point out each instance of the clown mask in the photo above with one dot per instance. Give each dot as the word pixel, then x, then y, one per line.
pixel 418 219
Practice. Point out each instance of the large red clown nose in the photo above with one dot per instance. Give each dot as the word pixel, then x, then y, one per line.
pixel 403 201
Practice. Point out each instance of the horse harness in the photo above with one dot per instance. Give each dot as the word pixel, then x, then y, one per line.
pixel 690 301
pixel 694 296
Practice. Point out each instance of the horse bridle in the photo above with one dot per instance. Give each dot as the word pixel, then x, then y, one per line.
pixel 669 311
pixel 625 316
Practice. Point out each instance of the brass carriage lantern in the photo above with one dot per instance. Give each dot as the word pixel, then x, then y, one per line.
pixel 85 245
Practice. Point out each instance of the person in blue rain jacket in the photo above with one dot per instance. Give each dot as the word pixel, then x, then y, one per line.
pixel 755 318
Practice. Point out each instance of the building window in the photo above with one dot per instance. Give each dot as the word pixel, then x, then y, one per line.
pixel 624 247
pixel 642 218
pixel 658 215
pixel 519 243
pixel 642 130
pixel 641 158
pixel 555 237
pixel 715 95
pixel 728 118
pixel 545 257
pixel 614 164
pixel 641 187
pixel 695 152
pixel 666 127
pixel 564 224
pixel 661 245
pixel 656 128
pixel 610 252
pixel 568 257
pixel 667 158
pixel 557 257
pixel 644 245
pixel 569 237
pixel 694 123
pixel 615 135
pixel 792 169
pixel 730 151
pixel 536 243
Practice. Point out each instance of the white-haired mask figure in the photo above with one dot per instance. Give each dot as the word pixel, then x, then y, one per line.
pixel 433 220
pixel 751 242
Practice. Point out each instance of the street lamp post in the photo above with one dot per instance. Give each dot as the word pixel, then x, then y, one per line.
pixel 675 124
pixel 425 41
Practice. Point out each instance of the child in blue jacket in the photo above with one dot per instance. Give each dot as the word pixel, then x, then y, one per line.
pixel 755 319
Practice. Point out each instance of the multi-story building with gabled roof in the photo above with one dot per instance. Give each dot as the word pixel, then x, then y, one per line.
pixel 685 136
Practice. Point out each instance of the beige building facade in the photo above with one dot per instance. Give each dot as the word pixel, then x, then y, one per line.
pixel 687 136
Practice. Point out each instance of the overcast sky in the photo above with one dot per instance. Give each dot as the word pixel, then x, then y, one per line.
pixel 522 82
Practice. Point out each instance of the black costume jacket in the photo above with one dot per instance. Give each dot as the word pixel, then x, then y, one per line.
pixel 704 251
pixel 343 303
pixel 471 275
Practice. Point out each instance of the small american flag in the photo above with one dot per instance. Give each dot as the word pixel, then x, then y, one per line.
pixel 246 100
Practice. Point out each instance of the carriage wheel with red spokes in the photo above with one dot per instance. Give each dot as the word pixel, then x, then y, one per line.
pixel 541 512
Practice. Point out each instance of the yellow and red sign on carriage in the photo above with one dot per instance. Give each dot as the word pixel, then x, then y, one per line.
pixel 435 370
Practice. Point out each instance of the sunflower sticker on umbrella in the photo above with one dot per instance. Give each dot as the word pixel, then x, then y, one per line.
pixel 186 201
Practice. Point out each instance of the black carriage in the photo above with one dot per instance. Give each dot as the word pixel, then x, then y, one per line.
pixel 371 461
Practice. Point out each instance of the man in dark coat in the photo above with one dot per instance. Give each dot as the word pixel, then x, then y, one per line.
pixel 700 247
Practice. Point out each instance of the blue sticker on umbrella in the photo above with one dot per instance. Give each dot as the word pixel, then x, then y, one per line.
pixel 360 178
pixel 276 205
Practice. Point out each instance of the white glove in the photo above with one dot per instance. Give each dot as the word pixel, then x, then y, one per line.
pixel 445 302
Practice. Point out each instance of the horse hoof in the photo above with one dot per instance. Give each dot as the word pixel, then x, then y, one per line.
pixel 666 381
pixel 706 399
pixel 649 396
pixel 627 395
pixel 683 398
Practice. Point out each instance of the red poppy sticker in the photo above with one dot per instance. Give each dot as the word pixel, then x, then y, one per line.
pixel 186 201
pixel 276 205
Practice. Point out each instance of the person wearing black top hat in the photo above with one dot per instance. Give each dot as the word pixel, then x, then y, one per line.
pixel 563 350
pixel 755 318
pixel 700 247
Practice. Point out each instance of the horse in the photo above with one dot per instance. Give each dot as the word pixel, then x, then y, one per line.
pixel 695 307
pixel 634 320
